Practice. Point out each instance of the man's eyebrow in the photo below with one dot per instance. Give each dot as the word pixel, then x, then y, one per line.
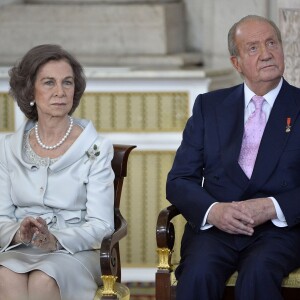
pixel 252 43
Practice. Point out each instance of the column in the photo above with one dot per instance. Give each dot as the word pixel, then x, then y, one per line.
pixel 289 22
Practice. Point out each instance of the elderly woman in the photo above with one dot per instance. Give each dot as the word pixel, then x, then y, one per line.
pixel 56 182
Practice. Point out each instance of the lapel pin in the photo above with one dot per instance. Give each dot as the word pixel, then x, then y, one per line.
pixel 288 125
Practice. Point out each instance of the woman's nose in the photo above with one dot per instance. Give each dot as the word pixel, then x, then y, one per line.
pixel 59 90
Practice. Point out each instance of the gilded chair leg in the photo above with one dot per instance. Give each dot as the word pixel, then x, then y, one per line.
pixel 164 259
pixel 108 287
pixel 163 274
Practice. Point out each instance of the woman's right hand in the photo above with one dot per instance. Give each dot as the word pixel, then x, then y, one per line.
pixel 28 227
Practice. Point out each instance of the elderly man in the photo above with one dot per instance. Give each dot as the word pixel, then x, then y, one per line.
pixel 236 176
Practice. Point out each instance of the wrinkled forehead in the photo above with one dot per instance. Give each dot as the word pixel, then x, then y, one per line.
pixel 55 66
pixel 255 30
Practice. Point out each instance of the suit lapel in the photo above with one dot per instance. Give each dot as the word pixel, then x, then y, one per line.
pixel 274 138
pixel 230 120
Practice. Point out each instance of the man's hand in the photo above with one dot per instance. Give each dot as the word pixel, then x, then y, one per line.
pixel 260 210
pixel 231 218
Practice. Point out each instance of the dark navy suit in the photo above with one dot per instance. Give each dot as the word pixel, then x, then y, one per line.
pixel 206 170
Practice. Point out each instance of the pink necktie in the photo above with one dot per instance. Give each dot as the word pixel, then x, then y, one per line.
pixel 254 128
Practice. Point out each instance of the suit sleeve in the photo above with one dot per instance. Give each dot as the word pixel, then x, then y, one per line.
pixel 184 183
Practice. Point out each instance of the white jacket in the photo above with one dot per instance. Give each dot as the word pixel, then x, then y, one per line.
pixel 74 194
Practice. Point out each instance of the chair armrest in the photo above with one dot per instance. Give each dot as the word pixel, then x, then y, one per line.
pixel 165 232
pixel 109 252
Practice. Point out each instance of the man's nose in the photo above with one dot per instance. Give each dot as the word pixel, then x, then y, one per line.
pixel 265 53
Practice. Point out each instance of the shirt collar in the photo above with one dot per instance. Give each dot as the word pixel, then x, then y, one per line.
pixel 269 97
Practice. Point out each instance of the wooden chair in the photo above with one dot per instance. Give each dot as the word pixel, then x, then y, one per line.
pixel 165 280
pixel 109 253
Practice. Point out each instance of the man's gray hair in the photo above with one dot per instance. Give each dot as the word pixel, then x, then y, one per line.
pixel 232 47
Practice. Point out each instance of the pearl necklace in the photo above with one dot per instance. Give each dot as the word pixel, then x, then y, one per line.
pixel 36 129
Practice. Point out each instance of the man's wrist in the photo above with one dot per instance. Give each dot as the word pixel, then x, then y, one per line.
pixel 270 208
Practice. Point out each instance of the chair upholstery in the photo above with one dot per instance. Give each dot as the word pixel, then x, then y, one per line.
pixel 109 253
pixel 165 282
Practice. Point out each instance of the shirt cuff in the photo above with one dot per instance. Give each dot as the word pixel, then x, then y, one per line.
pixel 280 220
pixel 205 225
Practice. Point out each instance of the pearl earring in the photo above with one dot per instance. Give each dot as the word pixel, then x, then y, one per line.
pixel 31 103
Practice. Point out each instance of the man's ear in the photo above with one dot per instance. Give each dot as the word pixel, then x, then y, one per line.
pixel 235 62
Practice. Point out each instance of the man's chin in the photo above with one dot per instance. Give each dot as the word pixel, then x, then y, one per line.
pixel 271 75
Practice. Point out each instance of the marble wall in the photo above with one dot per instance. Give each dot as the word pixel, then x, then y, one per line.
pixel 147 33
pixel 98 34
pixel 289 20
pixel 98 1
pixel 3 2
pixel 128 32
pixel 208 22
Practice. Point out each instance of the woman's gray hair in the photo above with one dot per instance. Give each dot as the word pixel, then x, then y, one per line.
pixel 232 47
